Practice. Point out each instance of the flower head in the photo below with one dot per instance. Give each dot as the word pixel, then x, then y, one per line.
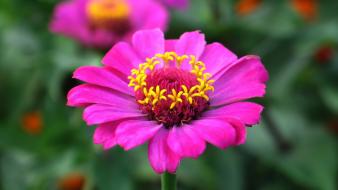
pixel 102 23
pixel 177 94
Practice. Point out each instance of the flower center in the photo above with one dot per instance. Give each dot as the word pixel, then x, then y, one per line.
pixel 169 94
pixel 108 14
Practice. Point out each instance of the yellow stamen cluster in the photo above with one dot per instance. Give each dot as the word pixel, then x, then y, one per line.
pixel 154 95
pixel 102 11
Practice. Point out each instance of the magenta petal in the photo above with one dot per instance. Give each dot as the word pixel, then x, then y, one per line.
pixel 217 58
pixel 185 142
pixel 105 134
pixel 217 132
pixel 86 94
pixel 240 130
pixel 69 21
pixel 96 114
pixel 181 4
pixel 247 112
pixel 191 43
pixel 161 157
pixel 148 42
pixel 122 57
pixel 102 39
pixel 243 80
pixel 170 45
pixel 102 77
pixel 132 133
pixel 148 14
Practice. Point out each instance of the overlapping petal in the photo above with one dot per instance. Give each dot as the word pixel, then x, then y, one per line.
pixel 191 43
pixel 86 94
pixel 247 112
pixel 216 131
pixel 185 142
pixel 122 57
pixel 217 58
pixel 170 45
pixel 243 80
pixel 161 157
pixel 132 133
pixel 148 43
pixel 102 77
pixel 105 134
pixel 99 113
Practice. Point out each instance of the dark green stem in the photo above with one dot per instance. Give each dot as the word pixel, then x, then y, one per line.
pixel 168 181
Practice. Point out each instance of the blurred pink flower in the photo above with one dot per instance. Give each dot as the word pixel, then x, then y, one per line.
pixel 181 4
pixel 102 23
pixel 185 93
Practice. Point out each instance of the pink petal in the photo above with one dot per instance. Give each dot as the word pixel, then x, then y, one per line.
pixel 161 157
pixel 247 112
pixel 148 42
pixel 217 58
pixel 240 130
pixel 216 131
pixel 102 77
pixel 148 14
pixel 181 4
pixel 132 133
pixel 98 113
pixel 170 45
pixel 191 43
pixel 69 21
pixel 105 134
pixel 243 80
pixel 85 94
pixel 122 57
pixel 185 142
pixel 102 39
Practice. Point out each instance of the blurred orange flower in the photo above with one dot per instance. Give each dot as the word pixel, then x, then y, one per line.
pixel 32 122
pixel 245 7
pixel 74 181
pixel 306 8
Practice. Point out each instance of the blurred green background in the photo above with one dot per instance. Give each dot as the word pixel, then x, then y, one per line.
pixel 46 145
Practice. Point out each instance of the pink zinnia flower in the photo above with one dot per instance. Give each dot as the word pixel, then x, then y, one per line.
pixel 102 23
pixel 177 94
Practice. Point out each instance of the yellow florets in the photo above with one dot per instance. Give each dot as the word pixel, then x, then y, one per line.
pixel 102 11
pixel 155 95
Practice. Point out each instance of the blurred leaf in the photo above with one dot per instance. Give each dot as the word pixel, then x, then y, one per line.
pixel 229 169
pixel 112 170
pixel 312 159
pixel 15 170
pixel 197 174
pixel 330 97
